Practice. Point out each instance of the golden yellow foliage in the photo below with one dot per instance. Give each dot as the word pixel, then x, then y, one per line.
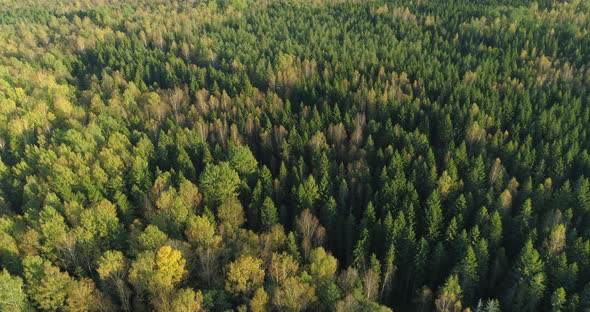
pixel 244 275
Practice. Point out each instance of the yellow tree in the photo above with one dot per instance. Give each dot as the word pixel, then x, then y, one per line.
pixel 260 301
pixel 281 267
pixel 294 295
pixel 170 267
pixel 187 300
pixel 244 275
pixel 157 273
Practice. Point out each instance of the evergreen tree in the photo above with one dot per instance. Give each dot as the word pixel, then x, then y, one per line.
pixel 433 216
pixel 268 214
pixel 529 280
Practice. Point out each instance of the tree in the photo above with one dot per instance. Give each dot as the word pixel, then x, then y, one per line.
pixel 422 261
pixel 170 267
pixel 12 294
pixel 322 266
pixel 528 280
pixel 268 214
pixel 483 258
pixel 219 182
pixel 307 194
pixel 433 217
pixel 449 297
pixel 47 286
pixel 490 305
pixel 495 229
pixel 292 247
pixel 244 276
pixel 84 296
pixel 348 304
pixel 253 212
pixel 151 238
pixel 53 229
pixel 361 251
pixel 156 273
pixel 562 274
pixel 477 175
pixel 558 300
pixel 187 300
pixel 390 268
pixel 311 231
pixel 9 253
pixel 242 160
pixel 445 184
pixel 189 195
pixel 294 295
pixel 281 267
pixel 583 195
pixel 112 270
pixel 259 302
pixel 371 279
pixel 452 229
pixel 201 233
pixel 127 127
pixel 556 240
pixel 467 272
pixel 328 215
pixel 231 214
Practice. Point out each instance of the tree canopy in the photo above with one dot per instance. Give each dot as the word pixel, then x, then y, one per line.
pixel 264 155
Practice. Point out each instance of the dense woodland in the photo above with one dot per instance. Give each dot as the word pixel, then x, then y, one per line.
pixel 298 155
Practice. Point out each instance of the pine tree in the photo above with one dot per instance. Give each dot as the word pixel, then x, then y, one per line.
pixel 361 251
pixel 495 229
pixel 483 259
pixel 256 201
pixel 477 175
pixel 467 272
pixel 268 214
pixel 528 280
pixel 558 300
pixel 388 273
pixel 433 217
pixel 421 261
pixel 292 248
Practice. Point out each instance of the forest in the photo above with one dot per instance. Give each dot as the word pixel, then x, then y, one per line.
pixel 295 155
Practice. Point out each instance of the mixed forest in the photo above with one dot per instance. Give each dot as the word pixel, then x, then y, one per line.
pixel 297 155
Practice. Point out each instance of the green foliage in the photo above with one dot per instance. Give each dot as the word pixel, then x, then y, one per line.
pixel 12 293
pixel 230 213
pixel 240 158
pixel 433 216
pixel 322 266
pixel 306 194
pixel 219 182
pixel 268 214
pixel 47 286
pixel 468 274
pixel 529 280
pixel 558 300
